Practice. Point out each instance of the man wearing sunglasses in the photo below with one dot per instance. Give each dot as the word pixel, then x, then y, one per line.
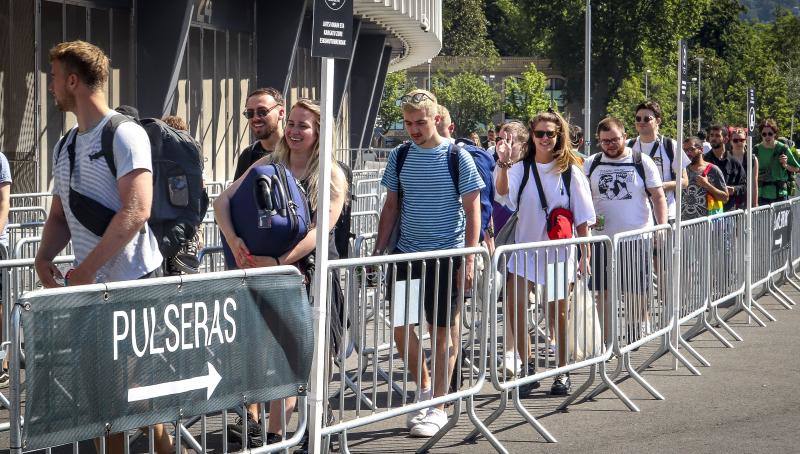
pixel 732 169
pixel 264 111
pixel 661 149
pixel 776 163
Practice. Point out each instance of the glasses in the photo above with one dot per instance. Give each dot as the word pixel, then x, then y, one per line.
pixel 607 142
pixel 261 113
pixel 540 134
pixel 738 140
pixel 767 134
pixel 416 98
pixel 645 119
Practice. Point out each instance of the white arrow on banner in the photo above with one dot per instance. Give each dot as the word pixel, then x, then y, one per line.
pixel 779 242
pixel 209 382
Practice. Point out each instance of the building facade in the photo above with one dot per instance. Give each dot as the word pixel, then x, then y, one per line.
pixel 198 59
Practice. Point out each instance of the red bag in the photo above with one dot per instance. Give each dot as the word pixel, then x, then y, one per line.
pixel 559 224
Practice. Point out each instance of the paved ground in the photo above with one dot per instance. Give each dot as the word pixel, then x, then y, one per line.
pixel 745 402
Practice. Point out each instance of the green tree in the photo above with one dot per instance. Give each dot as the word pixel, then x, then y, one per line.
pixel 470 100
pixel 465 29
pixel 525 96
pixel 389 112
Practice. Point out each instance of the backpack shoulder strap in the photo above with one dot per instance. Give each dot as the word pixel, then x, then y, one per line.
pixel 595 163
pixel 630 143
pixel 567 177
pixel 707 170
pixel 670 151
pixel 107 141
pixel 526 172
pixel 453 155
pixel 639 165
pixel 400 160
pixel 539 189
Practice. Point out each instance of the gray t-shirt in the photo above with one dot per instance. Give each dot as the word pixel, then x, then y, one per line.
pixel 93 178
pixel 694 203
pixel 5 177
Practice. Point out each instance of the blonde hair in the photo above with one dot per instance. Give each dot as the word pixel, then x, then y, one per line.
pixel 429 104
pixel 282 155
pixel 445 114
pixel 83 59
pixel 563 152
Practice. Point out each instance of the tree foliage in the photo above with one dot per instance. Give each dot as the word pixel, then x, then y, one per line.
pixel 389 112
pixel 465 29
pixel 525 96
pixel 470 100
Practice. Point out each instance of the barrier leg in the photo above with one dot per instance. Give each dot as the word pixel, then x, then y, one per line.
pixel 607 379
pixel 761 309
pixel 656 355
pixel 639 379
pixel 531 420
pixel 15 414
pixel 492 417
pixel 589 382
pixel 683 360
pixel 778 294
pixel 344 446
pixel 693 352
pixel 189 439
pixel 716 333
pixel 696 329
pixel 479 426
pixel 609 383
pixel 446 428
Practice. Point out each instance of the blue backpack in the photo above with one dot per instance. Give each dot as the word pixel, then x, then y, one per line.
pixel 484 162
pixel 269 211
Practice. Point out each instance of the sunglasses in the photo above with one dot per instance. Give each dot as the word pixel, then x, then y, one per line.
pixel 549 134
pixel 416 98
pixel 261 113
pixel 645 119
pixel 767 134
pixel 738 140
pixel 610 141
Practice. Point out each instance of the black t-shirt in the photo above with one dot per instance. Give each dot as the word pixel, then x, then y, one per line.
pixel 250 155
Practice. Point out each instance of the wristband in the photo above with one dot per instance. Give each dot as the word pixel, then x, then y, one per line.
pixel 505 165
pixel 277 260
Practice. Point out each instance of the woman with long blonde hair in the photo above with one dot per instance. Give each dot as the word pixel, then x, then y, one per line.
pixel 547 157
pixel 298 150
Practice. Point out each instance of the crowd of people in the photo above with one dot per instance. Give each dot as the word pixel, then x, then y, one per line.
pixel 532 172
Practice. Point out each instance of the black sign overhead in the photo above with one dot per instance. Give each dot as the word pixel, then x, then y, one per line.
pixel 332 34
pixel 683 65
pixel 107 361
pixel 751 112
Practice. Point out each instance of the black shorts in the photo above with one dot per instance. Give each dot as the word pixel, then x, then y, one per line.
pixel 637 264
pixel 431 294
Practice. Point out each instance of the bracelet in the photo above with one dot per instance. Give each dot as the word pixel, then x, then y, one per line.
pixel 277 260
pixel 505 165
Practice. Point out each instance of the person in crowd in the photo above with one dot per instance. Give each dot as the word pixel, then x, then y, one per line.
pixel 547 155
pixel 5 205
pixel 706 191
pixel 662 150
pixel 706 145
pixel 128 111
pixel 578 142
pixel 622 191
pixel 433 215
pixel 491 136
pixel 476 139
pixel 176 122
pixel 264 110
pixel 445 127
pixel 298 150
pixel 515 133
pixel 734 175
pixel 776 165
pixel 739 153
pixel 128 249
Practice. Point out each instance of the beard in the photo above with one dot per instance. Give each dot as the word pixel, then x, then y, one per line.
pixel 66 103
pixel 695 159
pixel 268 131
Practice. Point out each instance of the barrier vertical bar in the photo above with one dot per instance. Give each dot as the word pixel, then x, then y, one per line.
pixel 677 233
pixel 15 415
pixel 748 233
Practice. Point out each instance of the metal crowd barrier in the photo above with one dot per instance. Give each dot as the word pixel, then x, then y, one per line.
pixel 362 222
pixel 762 223
pixel 211 259
pixel 399 321
pixel 794 260
pixel 17 232
pixel 371 186
pixel 727 247
pixel 23 215
pixel 33 199
pixel 545 292
pixel 181 432
pixel 780 258
pixel 366 202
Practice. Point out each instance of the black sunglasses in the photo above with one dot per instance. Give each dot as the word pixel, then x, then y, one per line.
pixel 645 119
pixel 738 140
pixel 416 98
pixel 767 134
pixel 540 134
pixel 250 113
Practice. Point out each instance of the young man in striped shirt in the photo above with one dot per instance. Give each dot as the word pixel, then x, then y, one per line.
pixel 434 214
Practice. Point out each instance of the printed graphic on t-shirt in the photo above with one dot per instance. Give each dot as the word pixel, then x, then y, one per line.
pixel 613 184
pixel 659 160
pixel 694 202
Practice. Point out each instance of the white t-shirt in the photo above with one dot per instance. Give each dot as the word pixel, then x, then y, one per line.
pixel 532 224
pixel 663 162
pixel 93 178
pixel 619 193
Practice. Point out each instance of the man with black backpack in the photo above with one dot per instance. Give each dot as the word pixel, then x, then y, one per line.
pixel 661 149
pixel 126 248
pixel 264 110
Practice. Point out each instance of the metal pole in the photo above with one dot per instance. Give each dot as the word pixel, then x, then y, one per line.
pixel 429 75
pixel 676 256
pixel 699 85
pixel 647 84
pixel 748 232
pixel 320 291
pixel 587 84
pixel 690 109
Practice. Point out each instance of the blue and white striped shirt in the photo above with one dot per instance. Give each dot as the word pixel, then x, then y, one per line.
pixel 431 213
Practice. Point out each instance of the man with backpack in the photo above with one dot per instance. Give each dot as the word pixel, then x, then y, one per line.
pixel 127 248
pixel 706 192
pixel 776 165
pixel 732 170
pixel 264 111
pixel 433 189
pixel 661 149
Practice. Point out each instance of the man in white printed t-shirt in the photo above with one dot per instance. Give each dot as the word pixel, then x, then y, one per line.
pixel 126 249
pixel 663 150
pixel 623 188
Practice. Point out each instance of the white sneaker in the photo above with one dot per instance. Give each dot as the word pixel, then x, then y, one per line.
pixel 512 365
pixel 413 418
pixel 430 424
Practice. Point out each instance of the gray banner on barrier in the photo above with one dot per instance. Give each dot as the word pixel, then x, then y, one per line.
pixel 160 353
pixel 781 228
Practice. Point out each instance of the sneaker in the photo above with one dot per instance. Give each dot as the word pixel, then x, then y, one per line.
pixel 273 438
pixel 428 426
pixel 525 389
pixel 4 379
pixel 561 385
pixel 413 418
pixel 253 432
pixel 547 352
pixel 511 364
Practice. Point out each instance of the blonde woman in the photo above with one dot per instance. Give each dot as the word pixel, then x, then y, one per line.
pixel 549 153
pixel 298 150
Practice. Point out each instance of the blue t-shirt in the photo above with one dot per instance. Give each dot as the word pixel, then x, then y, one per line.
pixel 5 177
pixel 431 214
